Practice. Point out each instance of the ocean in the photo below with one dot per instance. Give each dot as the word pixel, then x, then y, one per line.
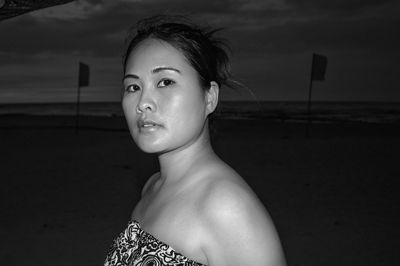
pixel 321 112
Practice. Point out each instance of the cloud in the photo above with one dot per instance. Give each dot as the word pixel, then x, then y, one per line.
pixel 329 34
pixel 44 42
pixel 73 10
pixel 337 4
pixel 81 9
pixel 99 27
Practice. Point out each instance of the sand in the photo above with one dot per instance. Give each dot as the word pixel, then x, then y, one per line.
pixel 65 196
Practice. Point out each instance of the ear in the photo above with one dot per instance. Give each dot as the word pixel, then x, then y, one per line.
pixel 212 97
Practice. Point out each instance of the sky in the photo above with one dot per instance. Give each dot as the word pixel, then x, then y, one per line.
pixel 272 42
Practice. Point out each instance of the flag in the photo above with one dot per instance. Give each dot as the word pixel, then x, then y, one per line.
pixel 318 68
pixel 83 75
pixel 13 8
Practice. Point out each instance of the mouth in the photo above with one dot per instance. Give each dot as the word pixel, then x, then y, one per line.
pixel 148 125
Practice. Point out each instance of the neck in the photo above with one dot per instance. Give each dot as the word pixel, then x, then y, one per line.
pixel 176 164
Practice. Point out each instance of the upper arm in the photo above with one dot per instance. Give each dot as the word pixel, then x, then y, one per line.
pixel 239 229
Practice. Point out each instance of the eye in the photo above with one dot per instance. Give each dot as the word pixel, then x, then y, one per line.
pixel 132 88
pixel 165 83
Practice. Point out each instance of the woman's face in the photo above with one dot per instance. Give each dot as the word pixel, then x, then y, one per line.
pixel 163 103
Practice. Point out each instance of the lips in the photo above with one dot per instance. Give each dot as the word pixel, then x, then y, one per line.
pixel 147 124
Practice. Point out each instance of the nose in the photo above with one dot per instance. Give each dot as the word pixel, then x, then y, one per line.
pixel 146 103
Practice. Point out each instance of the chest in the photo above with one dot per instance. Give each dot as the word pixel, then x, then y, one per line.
pixel 172 218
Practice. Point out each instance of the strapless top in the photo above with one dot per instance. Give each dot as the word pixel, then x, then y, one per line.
pixel 136 247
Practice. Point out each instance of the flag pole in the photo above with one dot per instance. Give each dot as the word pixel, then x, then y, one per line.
pixel 83 80
pixel 77 108
pixel 309 101
pixel 318 69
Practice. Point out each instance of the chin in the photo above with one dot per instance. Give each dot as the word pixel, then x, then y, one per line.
pixel 148 146
pixel 149 149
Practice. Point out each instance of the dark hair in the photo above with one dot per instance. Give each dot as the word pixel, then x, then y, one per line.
pixel 206 53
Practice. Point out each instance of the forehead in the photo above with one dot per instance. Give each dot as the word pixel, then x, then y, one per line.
pixel 151 53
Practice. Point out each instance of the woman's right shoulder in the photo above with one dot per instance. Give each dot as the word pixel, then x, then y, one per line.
pixel 150 182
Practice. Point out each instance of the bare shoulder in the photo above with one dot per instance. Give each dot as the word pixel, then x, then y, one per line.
pixel 238 229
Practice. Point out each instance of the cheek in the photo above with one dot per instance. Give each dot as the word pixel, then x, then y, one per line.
pixel 126 107
pixel 129 108
pixel 185 109
pixel 129 103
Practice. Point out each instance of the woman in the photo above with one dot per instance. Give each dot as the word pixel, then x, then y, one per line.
pixel 196 210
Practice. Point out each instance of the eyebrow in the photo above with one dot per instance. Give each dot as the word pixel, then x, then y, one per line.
pixel 130 76
pixel 159 69
pixel 154 71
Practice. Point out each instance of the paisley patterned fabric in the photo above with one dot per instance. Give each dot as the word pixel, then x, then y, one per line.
pixel 135 247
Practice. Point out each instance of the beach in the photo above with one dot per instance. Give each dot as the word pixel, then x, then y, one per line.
pixel 65 195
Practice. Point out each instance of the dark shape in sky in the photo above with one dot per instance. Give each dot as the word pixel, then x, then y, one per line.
pixel 13 8
pixel 83 74
pixel 318 68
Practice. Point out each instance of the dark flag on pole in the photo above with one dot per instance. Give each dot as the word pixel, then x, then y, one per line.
pixel 83 82
pixel 318 69
pixel 83 75
pixel 13 8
